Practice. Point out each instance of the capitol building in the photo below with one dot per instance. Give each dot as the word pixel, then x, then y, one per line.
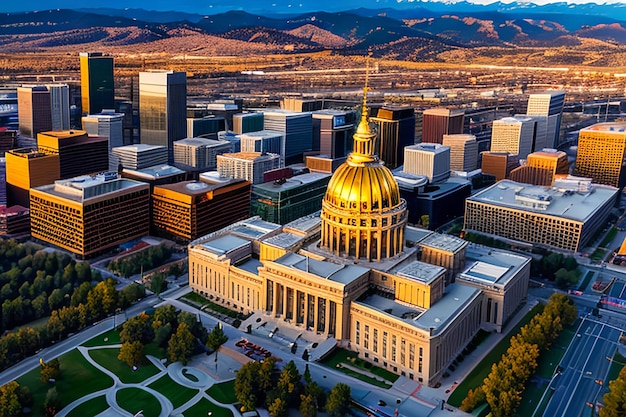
pixel 405 299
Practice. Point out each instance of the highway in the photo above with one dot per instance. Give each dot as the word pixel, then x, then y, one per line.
pixel 586 361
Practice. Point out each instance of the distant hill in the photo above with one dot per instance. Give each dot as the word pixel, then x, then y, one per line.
pixel 429 31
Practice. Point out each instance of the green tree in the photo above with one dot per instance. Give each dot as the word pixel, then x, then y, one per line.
pixel 29 341
pixel 338 400
pixel 132 353
pixel 615 399
pixel 158 283
pixel 181 345
pixel 165 314
pixel 217 338
pixel 308 407
pixel 162 335
pixel 50 370
pixel 474 398
pixel 289 383
pixel 10 405
pixel 246 385
pixel 137 328
pixel 278 408
pixel 52 403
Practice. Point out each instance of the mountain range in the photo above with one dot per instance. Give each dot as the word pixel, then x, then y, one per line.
pixel 427 31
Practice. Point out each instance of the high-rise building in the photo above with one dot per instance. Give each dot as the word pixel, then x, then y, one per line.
pixel 549 105
pixel 440 121
pixel 107 124
pixel 498 164
pixel 431 160
pixel 247 122
pixel 27 168
pixel 187 210
pixel 89 214
pixel 263 141
pixel 396 130
pixel 14 220
pixel 199 153
pixel 332 130
pixel 60 106
pixel 205 127
pixel 96 82
pixel 463 152
pixel 601 153
pixel 514 135
pixel 162 108
pixel 79 154
pixel 297 128
pixel 555 218
pixel 541 168
pixel 249 166
pixel 34 110
pixel 141 156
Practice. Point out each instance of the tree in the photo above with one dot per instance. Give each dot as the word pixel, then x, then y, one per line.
pixel 29 341
pixel 278 408
pixel 217 338
pixel 181 344
pixel 308 406
pixel 10 405
pixel 132 353
pixel 158 283
pixel 289 383
pixel 615 399
pixel 473 399
pixel 52 403
pixel 50 370
pixel 338 400
pixel 246 385
pixel 165 314
pixel 137 328
pixel 162 335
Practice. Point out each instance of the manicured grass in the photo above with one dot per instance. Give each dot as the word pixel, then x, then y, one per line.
pixel 78 378
pixel 223 392
pixel 340 357
pixel 92 407
pixel 112 338
pixel 609 237
pixel 107 357
pixel 583 285
pixel 202 408
pixel 178 395
pixel 480 372
pixel 616 366
pixel 598 254
pixel 135 400
pixel 197 298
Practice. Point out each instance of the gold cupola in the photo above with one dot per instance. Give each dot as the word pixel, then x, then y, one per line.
pixel 363 216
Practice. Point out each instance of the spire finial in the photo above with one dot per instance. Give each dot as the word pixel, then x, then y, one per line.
pixel 365 87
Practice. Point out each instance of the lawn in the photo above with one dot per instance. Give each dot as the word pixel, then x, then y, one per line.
pixel 92 407
pixel 203 407
pixel 112 337
pixel 135 400
pixel 223 392
pixel 107 357
pixel 78 378
pixel 177 394
pixel 616 366
pixel 340 356
pixel 583 285
pixel 480 372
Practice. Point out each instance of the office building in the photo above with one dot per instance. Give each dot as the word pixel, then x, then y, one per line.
pixel 396 130
pixel 285 201
pixel 297 128
pixel 247 122
pixel 162 108
pixel 601 155
pixel 249 166
pixel 8 140
pixel 157 175
pixel 444 250
pixel 513 135
pixel 548 105
pixel 431 160
pixel 59 106
pixel 332 133
pixel 300 104
pixel 34 110
pixel 87 215
pixel 359 285
pixel 264 141
pixel 440 121
pixel 463 152
pixel 107 124
pixel 141 156
pixel 79 154
pixel 498 164
pixel 14 220
pixel 199 153
pixel 205 127
pixel 541 168
pixel 187 210
pixel 323 163
pixel 529 215
pixel 27 168
pixel 97 86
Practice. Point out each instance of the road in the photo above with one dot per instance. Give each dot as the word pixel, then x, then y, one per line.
pixel 584 363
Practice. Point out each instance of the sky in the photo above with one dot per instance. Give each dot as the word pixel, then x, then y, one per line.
pixel 219 6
